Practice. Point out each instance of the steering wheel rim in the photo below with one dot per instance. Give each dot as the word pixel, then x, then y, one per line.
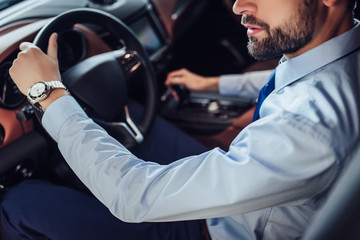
pixel 127 132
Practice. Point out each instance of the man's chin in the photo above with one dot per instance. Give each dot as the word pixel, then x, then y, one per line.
pixel 262 53
pixel 265 57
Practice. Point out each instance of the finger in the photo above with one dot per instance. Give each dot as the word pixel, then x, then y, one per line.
pixel 177 80
pixel 25 45
pixel 52 46
pixel 12 69
pixel 170 79
pixel 178 72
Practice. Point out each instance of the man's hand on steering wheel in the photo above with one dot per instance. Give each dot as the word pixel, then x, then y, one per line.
pixel 33 65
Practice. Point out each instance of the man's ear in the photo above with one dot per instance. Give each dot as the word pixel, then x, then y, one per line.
pixel 331 3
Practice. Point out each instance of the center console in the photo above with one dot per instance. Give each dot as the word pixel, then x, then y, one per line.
pixel 203 113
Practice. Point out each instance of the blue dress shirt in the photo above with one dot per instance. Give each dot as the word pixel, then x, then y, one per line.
pixel 274 175
pixel 246 85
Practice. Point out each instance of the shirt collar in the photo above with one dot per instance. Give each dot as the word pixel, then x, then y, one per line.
pixel 293 69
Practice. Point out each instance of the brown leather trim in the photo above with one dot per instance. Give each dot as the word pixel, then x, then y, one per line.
pixel 95 45
pixel 165 9
pixel 13 128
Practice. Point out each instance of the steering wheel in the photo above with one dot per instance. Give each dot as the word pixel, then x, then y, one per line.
pixel 99 83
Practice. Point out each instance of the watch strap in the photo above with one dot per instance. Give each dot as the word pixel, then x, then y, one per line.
pixel 38 110
pixel 56 84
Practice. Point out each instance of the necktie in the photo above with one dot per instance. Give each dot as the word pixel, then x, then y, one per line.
pixel 264 92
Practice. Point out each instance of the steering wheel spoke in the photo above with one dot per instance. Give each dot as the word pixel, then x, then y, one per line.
pixel 126 129
pixel 130 61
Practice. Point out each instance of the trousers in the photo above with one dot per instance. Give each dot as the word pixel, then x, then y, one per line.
pixel 39 209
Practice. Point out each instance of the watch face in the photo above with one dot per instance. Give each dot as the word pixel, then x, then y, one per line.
pixel 37 89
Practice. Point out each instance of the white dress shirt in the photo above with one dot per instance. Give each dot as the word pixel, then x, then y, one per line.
pixel 272 179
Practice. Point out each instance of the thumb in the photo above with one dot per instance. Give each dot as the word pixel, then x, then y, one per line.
pixel 52 46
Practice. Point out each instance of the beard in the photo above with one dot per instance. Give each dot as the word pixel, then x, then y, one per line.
pixel 287 38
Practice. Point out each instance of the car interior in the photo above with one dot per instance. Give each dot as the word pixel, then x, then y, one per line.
pixel 138 42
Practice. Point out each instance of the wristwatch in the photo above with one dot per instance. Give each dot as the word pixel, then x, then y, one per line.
pixel 41 90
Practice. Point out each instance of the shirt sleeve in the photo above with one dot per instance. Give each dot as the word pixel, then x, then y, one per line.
pixel 245 85
pixel 263 167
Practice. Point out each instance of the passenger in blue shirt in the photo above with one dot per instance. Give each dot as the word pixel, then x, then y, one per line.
pixel 269 183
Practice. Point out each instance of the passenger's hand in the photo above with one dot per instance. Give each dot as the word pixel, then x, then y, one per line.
pixel 192 81
pixel 33 65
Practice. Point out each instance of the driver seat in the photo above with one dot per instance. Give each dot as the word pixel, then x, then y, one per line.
pixel 339 217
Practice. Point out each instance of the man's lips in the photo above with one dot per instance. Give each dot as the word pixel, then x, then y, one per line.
pixel 253 30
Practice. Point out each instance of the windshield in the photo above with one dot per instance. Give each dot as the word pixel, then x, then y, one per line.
pixel 7 3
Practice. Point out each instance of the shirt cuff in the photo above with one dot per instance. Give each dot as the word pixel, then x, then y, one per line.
pixel 58 113
pixel 228 84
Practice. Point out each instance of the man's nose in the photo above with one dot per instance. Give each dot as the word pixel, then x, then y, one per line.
pixel 244 7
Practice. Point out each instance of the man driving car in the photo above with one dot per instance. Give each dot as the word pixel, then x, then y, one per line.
pixel 269 183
